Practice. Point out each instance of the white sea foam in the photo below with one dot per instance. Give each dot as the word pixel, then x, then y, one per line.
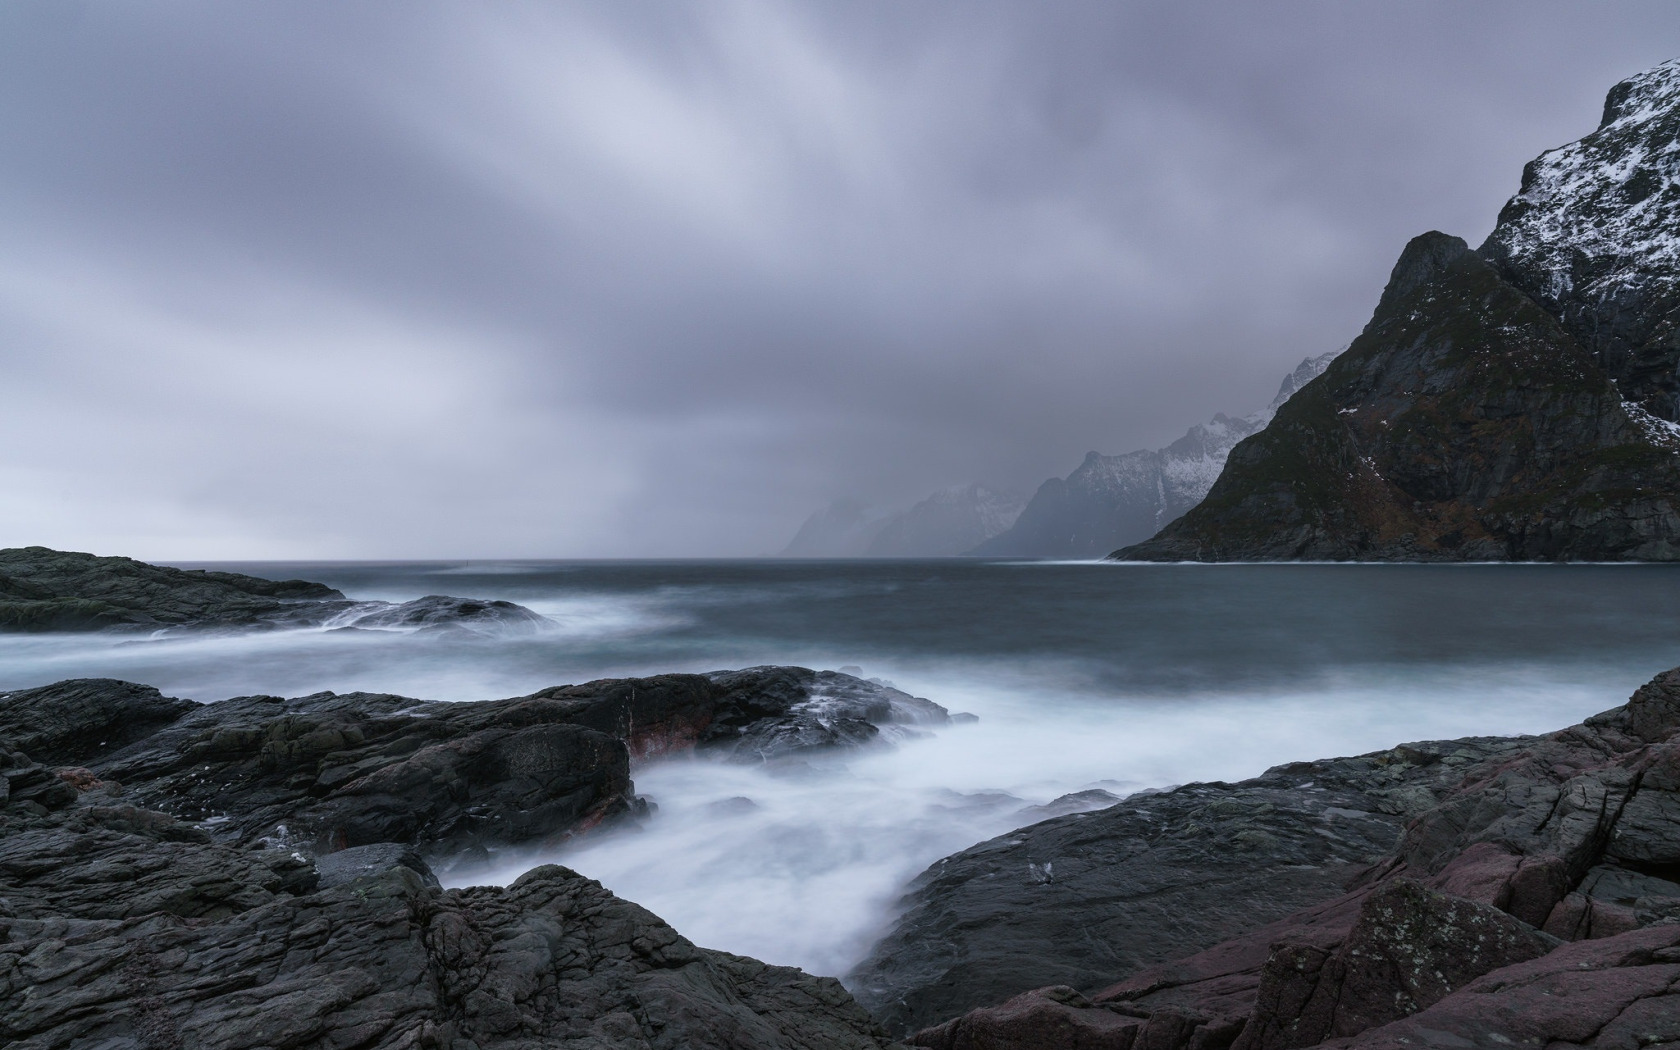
pixel 807 873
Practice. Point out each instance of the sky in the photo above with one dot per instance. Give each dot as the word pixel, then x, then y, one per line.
pixel 402 279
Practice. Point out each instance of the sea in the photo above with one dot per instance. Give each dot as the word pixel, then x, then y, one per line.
pixel 1083 677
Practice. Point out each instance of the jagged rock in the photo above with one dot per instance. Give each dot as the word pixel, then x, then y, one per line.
pixel 1055 1018
pixel 1513 404
pixel 1409 949
pixel 755 714
pixel 1613 994
pixel 348 865
pixel 383 960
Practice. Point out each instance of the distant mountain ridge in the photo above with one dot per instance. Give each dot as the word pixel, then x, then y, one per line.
pixel 1516 402
pixel 949 522
pixel 1109 501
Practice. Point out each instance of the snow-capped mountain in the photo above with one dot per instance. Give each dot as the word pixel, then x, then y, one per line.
pixel 1520 401
pixel 1110 501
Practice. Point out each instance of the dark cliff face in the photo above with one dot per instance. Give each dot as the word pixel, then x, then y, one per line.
pixel 1515 403
pixel 1594 236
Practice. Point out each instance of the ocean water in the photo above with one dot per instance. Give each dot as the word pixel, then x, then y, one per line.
pixel 1121 677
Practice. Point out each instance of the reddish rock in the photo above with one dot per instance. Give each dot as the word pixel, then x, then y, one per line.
pixel 1614 994
pixel 1410 948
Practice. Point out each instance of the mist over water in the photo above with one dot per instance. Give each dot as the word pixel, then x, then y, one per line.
pixel 1083 675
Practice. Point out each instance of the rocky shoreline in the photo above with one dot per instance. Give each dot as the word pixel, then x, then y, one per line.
pixel 256 873
pixel 259 872
pixel 1486 892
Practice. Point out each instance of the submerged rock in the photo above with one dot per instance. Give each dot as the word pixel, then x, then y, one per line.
pixel 439 611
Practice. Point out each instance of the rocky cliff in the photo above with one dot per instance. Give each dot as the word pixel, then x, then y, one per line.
pixel 1517 402
pixel 1113 500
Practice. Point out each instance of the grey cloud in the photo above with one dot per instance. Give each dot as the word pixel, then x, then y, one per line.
pixel 527 279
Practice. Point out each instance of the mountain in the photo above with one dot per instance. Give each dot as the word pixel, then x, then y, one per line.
pixel 949 522
pixel 1516 402
pixel 1113 500
pixel 843 529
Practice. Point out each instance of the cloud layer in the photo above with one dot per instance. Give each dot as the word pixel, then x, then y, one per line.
pixel 385 279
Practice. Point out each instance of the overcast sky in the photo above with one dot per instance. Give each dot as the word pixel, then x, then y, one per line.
pixel 401 279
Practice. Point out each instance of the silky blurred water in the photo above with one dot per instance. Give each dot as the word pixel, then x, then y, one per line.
pixel 1115 676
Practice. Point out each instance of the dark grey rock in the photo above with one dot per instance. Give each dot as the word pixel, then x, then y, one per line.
pixel 48 590
pixel 74 721
pixel 1425 947
pixel 332 771
pixel 441 611
pixel 358 862
pixel 1085 899
pixel 384 960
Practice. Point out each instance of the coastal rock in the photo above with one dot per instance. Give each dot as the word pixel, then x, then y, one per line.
pixel 752 715
pixel 1514 403
pixel 48 590
pixel 71 722
pixel 440 611
pixel 1616 994
pixel 1436 943
pixel 332 771
pixel 1410 948
pixel 218 949
pixel 1084 899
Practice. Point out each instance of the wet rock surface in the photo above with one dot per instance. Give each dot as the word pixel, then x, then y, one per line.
pixel 1527 898
pixel 333 771
pixel 250 873
pixel 48 590
pixel 221 947
pixel 1084 899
